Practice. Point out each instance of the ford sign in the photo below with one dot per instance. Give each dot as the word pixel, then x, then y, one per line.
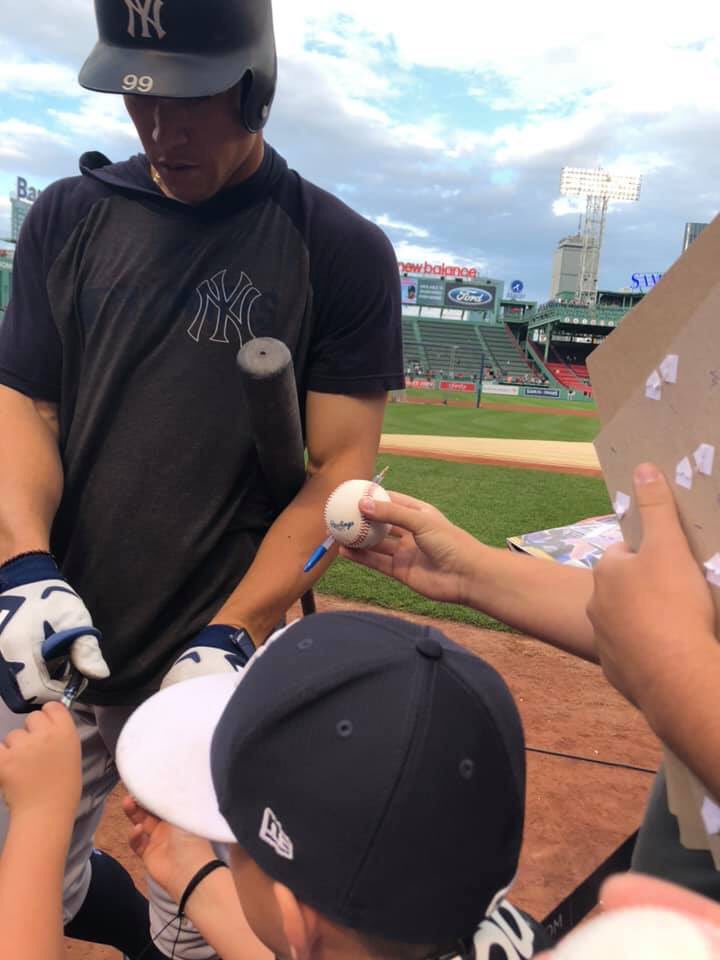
pixel 471 298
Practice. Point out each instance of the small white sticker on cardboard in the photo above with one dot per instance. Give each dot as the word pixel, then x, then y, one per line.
pixel 704 457
pixel 712 570
pixel 653 386
pixel 711 816
pixel 684 474
pixel 621 504
pixel 669 368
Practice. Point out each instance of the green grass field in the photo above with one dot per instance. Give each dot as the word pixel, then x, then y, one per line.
pixel 428 420
pixel 493 503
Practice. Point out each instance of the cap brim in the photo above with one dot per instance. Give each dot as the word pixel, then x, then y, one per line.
pixel 179 75
pixel 163 754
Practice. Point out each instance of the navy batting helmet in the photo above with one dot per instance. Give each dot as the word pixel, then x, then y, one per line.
pixel 184 49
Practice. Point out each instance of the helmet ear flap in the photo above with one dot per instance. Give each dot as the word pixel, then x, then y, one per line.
pixel 255 94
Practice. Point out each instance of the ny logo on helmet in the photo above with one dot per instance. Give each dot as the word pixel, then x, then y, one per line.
pixel 231 308
pixel 148 11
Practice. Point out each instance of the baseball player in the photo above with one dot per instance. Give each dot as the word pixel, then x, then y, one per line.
pixel 136 528
pixel 630 615
pixel 369 775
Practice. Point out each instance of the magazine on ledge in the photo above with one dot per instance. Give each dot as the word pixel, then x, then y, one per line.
pixel 579 544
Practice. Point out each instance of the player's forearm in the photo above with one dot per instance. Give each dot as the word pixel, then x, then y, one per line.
pixel 276 579
pixel 537 597
pixel 31 478
pixel 31 883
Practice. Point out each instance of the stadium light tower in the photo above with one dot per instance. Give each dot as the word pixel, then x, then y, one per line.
pixel 598 187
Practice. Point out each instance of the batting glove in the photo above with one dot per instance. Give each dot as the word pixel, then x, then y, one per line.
pixel 42 616
pixel 216 649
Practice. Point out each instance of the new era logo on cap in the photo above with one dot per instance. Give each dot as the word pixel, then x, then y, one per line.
pixel 272 833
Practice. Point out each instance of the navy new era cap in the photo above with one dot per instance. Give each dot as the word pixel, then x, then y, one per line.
pixel 371 765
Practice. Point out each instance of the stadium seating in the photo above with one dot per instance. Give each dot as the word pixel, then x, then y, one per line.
pixel 413 349
pixel 569 375
pixel 451 347
pixel 507 357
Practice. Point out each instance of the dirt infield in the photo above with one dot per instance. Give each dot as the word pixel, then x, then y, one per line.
pixel 555 455
pixel 588 753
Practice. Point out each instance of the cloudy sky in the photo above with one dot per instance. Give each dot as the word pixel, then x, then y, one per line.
pixel 447 123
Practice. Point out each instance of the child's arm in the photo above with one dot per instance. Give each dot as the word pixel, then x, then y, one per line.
pixel 40 777
pixel 172 857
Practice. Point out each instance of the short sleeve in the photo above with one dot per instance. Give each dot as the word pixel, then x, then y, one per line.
pixel 30 348
pixel 357 343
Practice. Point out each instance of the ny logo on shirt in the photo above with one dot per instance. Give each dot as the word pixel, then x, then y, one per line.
pixel 227 308
pixel 148 12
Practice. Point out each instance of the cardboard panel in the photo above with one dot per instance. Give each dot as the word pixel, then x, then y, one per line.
pixel 646 332
pixel 674 425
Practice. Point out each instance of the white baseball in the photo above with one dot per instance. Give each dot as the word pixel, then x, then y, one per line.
pixel 343 518
pixel 636 933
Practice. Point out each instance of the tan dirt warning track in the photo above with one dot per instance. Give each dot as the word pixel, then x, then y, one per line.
pixel 555 455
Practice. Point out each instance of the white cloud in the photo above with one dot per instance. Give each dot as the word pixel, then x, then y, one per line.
pixel 19 77
pixel 408 252
pixel 408 228
pixel 564 206
pixel 97 117
pixel 19 139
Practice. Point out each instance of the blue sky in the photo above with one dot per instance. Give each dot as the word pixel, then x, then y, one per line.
pixel 447 124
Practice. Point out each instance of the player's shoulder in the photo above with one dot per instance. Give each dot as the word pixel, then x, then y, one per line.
pixel 62 205
pixel 328 224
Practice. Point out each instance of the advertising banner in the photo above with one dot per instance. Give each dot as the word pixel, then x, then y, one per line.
pixel 411 384
pixel 458 387
pixel 471 297
pixel 501 389
pixel 540 392
pixel 422 292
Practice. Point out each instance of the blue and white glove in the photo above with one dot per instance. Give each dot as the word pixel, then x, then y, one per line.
pixel 45 632
pixel 216 649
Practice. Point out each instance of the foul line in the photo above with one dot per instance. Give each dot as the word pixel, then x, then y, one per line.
pixel 600 763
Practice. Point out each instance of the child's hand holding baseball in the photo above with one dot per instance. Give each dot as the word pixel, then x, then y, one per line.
pixel 40 767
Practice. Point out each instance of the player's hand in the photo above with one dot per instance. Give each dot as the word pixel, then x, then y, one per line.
pixel 652 607
pixel 171 856
pixel 423 550
pixel 36 604
pixel 216 649
pixel 40 768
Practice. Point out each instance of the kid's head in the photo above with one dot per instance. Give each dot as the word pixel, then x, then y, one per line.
pixel 368 773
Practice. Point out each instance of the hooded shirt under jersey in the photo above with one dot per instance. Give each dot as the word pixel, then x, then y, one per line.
pixel 128 311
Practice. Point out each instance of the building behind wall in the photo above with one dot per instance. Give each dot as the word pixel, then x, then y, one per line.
pixel 566 265
pixel 692 232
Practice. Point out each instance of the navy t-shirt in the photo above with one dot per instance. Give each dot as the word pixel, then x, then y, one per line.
pixel 128 311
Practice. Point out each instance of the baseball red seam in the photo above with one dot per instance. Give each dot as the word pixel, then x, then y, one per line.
pixel 365 525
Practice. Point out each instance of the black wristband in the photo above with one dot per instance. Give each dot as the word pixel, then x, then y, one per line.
pixel 28 553
pixel 196 881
